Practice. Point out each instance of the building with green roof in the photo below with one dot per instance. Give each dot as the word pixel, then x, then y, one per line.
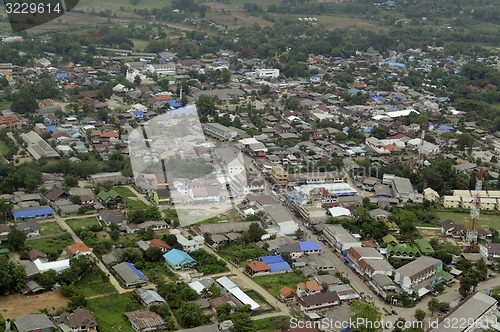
pixel 110 198
pixel 424 246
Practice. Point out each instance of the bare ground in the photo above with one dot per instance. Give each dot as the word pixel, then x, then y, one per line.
pixel 15 305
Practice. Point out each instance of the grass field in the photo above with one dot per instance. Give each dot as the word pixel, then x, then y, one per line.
pixel 108 311
pixel 130 198
pixel 485 220
pixel 51 244
pixel 93 285
pixel 50 228
pixel 275 282
pixel 3 148
pixel 268 324
pixel 80 223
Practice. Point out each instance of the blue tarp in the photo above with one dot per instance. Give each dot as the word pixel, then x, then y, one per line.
pixel 52 129
pixel 174 103
pixel 447 128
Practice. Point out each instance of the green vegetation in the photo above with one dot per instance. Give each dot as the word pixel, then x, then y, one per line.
pixel 51 244
pixel 208 263
pixel 241 253
pixel 93 284
pixel 485 220
pixel 48 228
pixel 275 282
pixel 78 223
pixel 271 324
pixel 124 192
pixel 108 311
pixel 130 198
pixel 4 148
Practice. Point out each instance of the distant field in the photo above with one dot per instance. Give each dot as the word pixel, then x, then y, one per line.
pixel 485 220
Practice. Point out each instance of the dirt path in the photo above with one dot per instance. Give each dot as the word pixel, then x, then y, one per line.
pixel 16 305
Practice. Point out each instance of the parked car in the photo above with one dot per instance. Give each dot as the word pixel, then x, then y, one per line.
pixel 394 312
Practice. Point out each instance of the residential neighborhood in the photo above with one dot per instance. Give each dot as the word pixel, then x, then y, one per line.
pixel 159 191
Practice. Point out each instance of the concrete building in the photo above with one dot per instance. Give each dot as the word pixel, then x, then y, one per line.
pixel 279 176
pixel 188 245
pixel 220 132
pixel 413 276
pixel 340 238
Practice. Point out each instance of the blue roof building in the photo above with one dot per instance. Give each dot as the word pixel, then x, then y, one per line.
pixel 174 104
pixel 41 212
pixel 276 263
pixel 310 246
pixel 178 259
pixel 62 75
pixel 52 128
pixel 130 275
pixel 271 259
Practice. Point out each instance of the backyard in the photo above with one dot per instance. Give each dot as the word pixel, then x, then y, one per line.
pixel 108 311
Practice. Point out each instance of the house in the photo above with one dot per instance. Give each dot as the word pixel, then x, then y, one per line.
pixel 149 297
pixel 286 294
pixel 56 194
pixel 178 259
pixel 143 320
pixel 234 290
pixel 110 199
pixel 41 212
pixel 450 229
pixel 79 320
pixel 161 196
pixel 162 245
pixel 257 267
pixel 34 323
pixel 318 302
pixel 410 276
pixel 345 292
pixel 114 178
pixel 31 228
pixel 4 231
pixel 35 254
pixel 77 249
pixel 379 213
pixel 490 251
pixel 383 285
pixel 112 217
pixel 479 310
pixel 308 288
pixel 130 275
pixel 220 132
pixel 431 195
pixel 188 245
pixel 32 287
pixel 276 264
pixel 38 148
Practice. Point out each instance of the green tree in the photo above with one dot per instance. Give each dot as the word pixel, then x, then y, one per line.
pixel 153 254
pixel 419 314
pixel 47 279
pixel 12 276
pixel 433 305
pixel 224 312
pixel 16 239
pixel 482 269
pixel 70 181
pixel 24 102
pixel 368 312
pixel 191 314
pixel 242 322
pixel 205 106
pixel 5 210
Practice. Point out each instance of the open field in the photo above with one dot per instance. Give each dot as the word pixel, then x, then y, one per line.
pixel 485 220
pixel 108 311
pixel 83 222
pixel 51 244
pixel 232 16
pixel 331 22
pixel 16 305
pixel 130 198
pixel 93 285
pixel 267 324
pixel 275 282
pixel 50 228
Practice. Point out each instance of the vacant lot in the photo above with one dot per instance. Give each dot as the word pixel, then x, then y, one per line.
pixel 331 22
pixel 267 324
pixel 108 311
pixel 83 222
pixel 51 244
pixel 132 200
pixel 16 305
pixel 485 220
pixel 275 282
pixel 50 228
pixel 93 285
pixel 3 148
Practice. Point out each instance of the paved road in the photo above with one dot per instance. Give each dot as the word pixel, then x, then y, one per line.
pixel 62 223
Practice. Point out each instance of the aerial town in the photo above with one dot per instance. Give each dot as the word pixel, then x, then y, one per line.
pixel 155 190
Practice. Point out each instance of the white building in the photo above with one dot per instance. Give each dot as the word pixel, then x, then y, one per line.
pixel 267 73
pixel 340 238
pixel 409 276
pixel 490 250
pixel 188 245
pixel 167 69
